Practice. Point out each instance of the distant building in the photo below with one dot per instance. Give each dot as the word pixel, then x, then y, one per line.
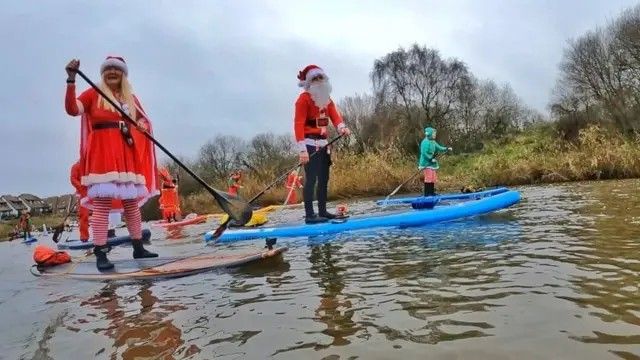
pixel 6 211
pixel 15 204
pixel 60 204
pixel 12 206
pixel 35 205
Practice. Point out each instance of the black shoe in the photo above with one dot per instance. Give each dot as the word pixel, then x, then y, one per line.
pixel 139 252
pixel 270 242
pixel 102 263
pixel 425 192
pixel 331 216
pixel 111 233
pixel 315 219
pixel 328 215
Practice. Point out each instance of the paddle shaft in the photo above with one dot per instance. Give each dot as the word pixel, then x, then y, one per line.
pixel 401 185
pixel 57 230
pixel 211 190
pixel 405 182
pixel 293 187
pixel 224 225
pixel 281 177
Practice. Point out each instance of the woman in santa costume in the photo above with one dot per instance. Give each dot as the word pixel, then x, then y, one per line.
pixel 314 110
pixel 113 161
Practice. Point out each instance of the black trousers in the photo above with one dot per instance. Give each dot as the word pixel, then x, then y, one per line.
pixel 316 172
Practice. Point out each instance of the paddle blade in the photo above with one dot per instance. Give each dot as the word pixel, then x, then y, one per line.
pixel 56 233
pixel 219 231
pixel 238 209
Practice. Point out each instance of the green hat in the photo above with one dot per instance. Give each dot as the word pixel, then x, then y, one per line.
pixel 429 132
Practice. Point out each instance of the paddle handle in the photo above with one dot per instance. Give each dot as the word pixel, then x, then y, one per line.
pixel 211 190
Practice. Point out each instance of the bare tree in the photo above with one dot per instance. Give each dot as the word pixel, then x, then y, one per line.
pixel 357 111
pixel 219 156
pixel 600 76
pixel 269 154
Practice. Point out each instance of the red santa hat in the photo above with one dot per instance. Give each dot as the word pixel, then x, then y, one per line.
pixel 115 61
pixel 309 73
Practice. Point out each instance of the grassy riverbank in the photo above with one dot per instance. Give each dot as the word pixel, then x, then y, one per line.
pixel 536 156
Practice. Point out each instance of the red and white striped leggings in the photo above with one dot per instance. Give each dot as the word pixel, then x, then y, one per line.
pixel 100 219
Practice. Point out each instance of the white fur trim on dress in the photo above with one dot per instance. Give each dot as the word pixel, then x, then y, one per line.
pixel 149 196
pixel 123 191
pixel 113 176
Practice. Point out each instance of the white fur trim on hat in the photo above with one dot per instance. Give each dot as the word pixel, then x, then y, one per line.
pixel 310 75
pixel 112 61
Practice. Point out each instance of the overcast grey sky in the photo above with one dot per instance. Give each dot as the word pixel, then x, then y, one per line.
pixel 203 68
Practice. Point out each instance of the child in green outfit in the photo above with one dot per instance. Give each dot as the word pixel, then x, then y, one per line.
pixel 428 150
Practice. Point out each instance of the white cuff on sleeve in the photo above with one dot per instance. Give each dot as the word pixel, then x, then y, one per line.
pixel 302 146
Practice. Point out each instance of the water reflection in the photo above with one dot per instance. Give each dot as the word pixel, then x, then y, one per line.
pixel 606 255
pixel 554 277
pixel 146 332
pixel 334 308
pixel 175 233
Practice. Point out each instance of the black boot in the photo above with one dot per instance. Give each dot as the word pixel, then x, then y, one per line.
pixel 270 242
pixel 102 263
pixel 430 189
pixel 425 192
pixel 315 219
pixel 111 233
pixel 140 252
pixel 327 215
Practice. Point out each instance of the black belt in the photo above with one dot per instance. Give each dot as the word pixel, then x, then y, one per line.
pixel 317 122
pixel 315 136
pixel 106 125
pixel 124 129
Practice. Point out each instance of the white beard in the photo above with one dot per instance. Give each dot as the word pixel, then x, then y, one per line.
pixel 320 93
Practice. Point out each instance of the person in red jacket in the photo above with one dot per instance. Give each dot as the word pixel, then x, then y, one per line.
pixel 293 182
pixel 314 109
pixel 235 182
pixel 112 166
pixel 83 212
pixel 169 200
pixel 24 223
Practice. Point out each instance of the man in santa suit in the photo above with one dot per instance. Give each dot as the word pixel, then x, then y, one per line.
pixel 314 109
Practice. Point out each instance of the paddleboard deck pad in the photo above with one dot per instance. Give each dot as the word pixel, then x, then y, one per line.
pixel 118 240
pixel 155 268
pixel 444 197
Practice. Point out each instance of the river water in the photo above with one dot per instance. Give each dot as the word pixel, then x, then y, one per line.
pixel 553 277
